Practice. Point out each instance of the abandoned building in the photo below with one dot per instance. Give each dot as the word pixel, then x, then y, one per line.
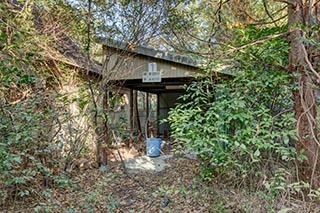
pixel 146 82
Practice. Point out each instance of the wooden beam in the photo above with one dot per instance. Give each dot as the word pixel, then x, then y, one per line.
pixel 147 113
pixel 131 116
pixel 158 113
pixel 136 113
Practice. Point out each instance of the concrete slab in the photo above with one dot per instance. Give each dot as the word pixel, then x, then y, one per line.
pixel 146 164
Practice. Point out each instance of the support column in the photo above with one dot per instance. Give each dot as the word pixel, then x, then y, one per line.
pixel 158 114
pixel 147 115
pixel 136 113
pixel 131 116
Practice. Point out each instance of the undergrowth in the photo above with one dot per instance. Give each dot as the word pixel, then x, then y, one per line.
pixel 242 131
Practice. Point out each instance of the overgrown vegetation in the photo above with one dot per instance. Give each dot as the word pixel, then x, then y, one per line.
pixel 42 103
pixel 246 124
pixel 277 35
pixel 54 114
pixel 244 128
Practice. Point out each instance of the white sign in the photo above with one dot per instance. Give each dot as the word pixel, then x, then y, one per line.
pixel 151 77
pixel 152 67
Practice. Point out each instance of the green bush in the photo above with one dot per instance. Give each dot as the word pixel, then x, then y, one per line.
pixel 238 127
pixel 26 136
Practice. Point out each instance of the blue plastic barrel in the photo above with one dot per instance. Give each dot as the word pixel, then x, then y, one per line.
pixel 153 147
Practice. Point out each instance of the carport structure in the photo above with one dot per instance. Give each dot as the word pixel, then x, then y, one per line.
pixel 155 74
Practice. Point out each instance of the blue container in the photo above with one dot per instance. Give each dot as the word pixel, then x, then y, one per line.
pixel 153 147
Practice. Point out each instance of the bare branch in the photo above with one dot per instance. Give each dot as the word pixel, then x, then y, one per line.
pixel 269 22
pixel 261 40
pixel 268 13
pixel 285 1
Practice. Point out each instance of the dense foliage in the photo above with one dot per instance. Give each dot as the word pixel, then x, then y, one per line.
pixel 241 127
pixel 254 33
pixel 238 125
pixel 40 135
pixel 53 113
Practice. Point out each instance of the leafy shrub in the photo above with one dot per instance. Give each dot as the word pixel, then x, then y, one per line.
pixel 26 139
pixel 238 127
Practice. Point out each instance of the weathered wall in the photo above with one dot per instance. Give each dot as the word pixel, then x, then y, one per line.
pixel 132 66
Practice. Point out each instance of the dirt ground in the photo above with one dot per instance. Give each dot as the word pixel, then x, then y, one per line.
pixel 109 189
pixel 177 188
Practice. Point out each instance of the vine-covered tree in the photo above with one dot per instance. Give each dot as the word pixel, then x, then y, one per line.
pixel 304 61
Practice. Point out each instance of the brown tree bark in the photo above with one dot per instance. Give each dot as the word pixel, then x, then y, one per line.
pixel 302 15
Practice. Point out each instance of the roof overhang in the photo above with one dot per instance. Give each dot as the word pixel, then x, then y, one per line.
pixel 167 85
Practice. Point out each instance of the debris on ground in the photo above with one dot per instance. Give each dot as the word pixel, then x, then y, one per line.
pixel 146 164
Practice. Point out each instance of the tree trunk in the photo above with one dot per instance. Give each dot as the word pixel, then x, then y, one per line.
pixel 303 68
